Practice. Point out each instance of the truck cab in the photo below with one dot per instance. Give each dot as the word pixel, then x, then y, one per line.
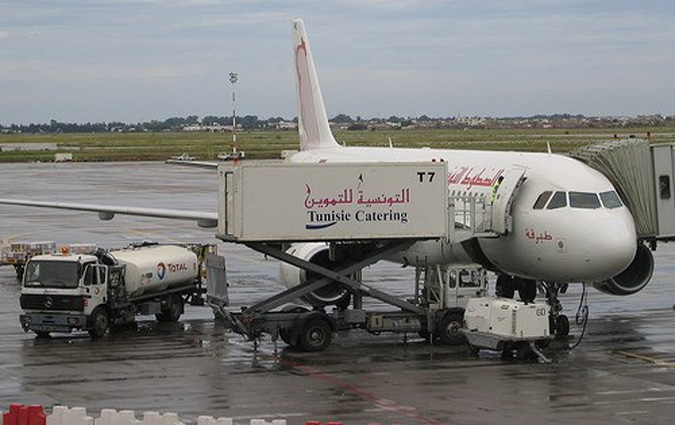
pixel 61 293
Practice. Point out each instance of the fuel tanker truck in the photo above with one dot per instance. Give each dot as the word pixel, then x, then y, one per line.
pixel 63 292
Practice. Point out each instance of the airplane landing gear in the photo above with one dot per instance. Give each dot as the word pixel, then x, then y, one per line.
pixel 560 324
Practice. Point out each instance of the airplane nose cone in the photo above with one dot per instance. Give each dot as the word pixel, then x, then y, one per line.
pixel 611 246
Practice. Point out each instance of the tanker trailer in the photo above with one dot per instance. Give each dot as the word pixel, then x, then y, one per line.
pixel 64 292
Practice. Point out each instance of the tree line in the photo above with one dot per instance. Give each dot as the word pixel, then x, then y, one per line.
pixel 246 122
pixel 253 122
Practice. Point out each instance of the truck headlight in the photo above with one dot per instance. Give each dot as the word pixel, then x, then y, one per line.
pixel 73 320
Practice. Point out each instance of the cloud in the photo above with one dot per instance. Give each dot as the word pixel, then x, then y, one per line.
pixel 58 72
pixel 374 57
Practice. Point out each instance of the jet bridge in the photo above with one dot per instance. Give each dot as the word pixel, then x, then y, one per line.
pixel 643 174
pixel 364 212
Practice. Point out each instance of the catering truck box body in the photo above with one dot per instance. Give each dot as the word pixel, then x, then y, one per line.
pixel 322 202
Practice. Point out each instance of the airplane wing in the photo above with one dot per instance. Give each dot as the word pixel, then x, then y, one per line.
pixel 106 212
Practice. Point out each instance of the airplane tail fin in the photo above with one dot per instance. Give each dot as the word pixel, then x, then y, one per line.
pixel 312 119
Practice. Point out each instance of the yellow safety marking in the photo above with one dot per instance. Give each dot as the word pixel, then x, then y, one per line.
pixel 658 362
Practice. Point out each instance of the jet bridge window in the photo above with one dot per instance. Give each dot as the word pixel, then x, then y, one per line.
pixel 559 200
pixel 584 200
pixel 542 199
pixel 664 187
pixel 610 200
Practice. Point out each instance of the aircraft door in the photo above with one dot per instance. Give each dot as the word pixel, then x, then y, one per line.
pixel 501 206
pixel 95 281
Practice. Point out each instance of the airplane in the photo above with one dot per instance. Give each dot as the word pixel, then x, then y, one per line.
pixel 569 225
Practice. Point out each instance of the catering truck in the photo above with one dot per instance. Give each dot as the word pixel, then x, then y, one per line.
pixel 63 292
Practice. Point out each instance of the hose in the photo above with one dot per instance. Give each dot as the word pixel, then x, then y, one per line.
pixel 581 317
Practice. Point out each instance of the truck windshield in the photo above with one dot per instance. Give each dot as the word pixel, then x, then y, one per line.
pixel 51 274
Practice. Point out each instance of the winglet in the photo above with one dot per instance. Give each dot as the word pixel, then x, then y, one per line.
pixel 312 119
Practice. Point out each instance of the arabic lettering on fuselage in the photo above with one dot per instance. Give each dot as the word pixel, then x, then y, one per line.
pixel 347 197
pixel 471 176
pixel 538 237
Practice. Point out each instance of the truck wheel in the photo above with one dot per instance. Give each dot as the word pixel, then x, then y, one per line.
pixel 285 335
pixel 449 328
pixel 316 335
pixel 173 309
pixel 98 323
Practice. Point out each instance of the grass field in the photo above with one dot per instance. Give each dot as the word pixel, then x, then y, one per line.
pixel 263 144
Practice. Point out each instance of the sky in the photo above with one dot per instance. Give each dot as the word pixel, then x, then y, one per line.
pixel 139 60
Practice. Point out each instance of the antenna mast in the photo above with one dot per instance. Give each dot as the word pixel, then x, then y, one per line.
pixel 233 81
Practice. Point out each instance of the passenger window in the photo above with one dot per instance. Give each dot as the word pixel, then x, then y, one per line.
pixel 559 200
pixel 542 199
pixel 610 200
pixel 584 200
pixel 664 187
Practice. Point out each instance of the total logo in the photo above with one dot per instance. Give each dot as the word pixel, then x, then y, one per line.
pixel 171 268
pixel 161 270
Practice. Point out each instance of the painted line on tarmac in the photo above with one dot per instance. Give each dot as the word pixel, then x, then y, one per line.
pixel 647 359
pixel 354 389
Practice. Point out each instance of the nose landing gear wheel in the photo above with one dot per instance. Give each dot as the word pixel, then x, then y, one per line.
pixel 562 326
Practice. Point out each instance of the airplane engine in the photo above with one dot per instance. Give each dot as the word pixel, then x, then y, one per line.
pixel 634 278
pixel 316 253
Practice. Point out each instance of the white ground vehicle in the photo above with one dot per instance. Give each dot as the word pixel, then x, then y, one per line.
pixel 66 292
pixel 436 310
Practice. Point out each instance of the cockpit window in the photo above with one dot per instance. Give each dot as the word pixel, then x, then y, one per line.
pixel 584 200
pixel 610 200
pixel 542 199
pixel 559 200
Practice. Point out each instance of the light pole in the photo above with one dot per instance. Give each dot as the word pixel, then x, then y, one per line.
pixel 233 81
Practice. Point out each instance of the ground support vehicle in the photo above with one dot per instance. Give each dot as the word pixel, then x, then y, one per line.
pixel 435 310
pixel 18 253
pixel 107 289
pixel 509 326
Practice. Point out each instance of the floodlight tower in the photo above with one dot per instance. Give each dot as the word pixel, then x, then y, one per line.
pixel 233 81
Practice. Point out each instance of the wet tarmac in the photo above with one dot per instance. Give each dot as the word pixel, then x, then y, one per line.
pixel 623 372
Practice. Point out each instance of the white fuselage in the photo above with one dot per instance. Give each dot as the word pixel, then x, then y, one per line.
pixel 566 244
